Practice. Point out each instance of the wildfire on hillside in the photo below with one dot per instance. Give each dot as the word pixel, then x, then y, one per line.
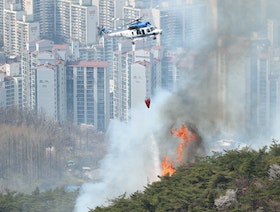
pixel 186 135
pixel 167 167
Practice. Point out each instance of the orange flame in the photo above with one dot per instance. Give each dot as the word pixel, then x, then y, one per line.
pixel 186 136
pixel 167 167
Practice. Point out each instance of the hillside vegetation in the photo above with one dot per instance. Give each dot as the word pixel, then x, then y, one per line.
pixel 57 200
pixel 238 180
pixel 35 152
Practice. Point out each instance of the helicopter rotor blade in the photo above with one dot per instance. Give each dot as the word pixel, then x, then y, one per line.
pixel 134 20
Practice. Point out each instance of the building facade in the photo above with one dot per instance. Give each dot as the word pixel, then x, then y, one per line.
pixel 11 16
pixel 44 79
pixel 77 21
pixel 136 76
pixel 43 12
pixel 88 93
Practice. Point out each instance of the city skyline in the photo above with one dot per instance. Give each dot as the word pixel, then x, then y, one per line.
pixel 214 70
pixel 189 28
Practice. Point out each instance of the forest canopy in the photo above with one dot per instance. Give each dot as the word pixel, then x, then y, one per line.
pixel 236 180
pixel 34 151
pixel 233 180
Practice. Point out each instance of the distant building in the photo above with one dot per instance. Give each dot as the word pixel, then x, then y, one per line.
pixel 26 30
pixel 11 91
pixel 88 93
pixel 44 79
pixel 1 18
pixel 170 72
pixel 2 96
pixel 263 85
pixel 10 69
pixel 239 18
pixel 46 87
pixel 139 80
pixel 184 24
pixel 11 16
pixel 43 12
pixel 85 53
pixel 2 57
pixel 136 76
pixel 18 91
pixel 11 84
pixel 273 32
pixel 107 12
pixel 37 53
pixel 77 21
pixel 19 28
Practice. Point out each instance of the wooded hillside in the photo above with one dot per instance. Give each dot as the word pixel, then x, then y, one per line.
pixel 244 180
pixel 238 180
pixel 35 152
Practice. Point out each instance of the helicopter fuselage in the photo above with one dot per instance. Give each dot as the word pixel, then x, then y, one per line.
pixel 136 33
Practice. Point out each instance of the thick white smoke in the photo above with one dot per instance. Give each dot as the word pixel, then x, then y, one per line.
pixel 209 99
pixel 132 160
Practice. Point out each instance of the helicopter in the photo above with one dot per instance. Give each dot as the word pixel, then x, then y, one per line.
pixel 136 30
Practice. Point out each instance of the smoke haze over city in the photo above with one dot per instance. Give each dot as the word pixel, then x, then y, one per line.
pixel 136 148
pixel 214 72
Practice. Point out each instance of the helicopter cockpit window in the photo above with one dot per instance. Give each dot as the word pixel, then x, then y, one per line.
pixel 152 28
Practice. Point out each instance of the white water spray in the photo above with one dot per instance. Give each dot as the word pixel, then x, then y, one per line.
pixel 132 161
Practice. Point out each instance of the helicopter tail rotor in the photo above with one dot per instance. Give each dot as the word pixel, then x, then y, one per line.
pixel 102 30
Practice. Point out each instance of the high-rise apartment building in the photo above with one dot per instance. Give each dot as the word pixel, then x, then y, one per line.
pixel 1 19
pixel 107 12
pixel 246 77
pixel 26 30
pixel 170 72
pixel 63 21
pixel 19 28
pixel 273 32
pixel 263 86
pixel 130 14
pixel 195 21
pixel 86 53
pixel 145 77
pixel 121 79
pixel 10 84
pixel 274 87
pixel 43 11
pixel 44 79
pixel 146 64
pixel 77 20
pixel 184 24
pixel 84 22
pixel 239 18
pixel 2 89
pixel 18 91
pixel 148 4
pixel 11 16
pixel 88 93
pixel 46 83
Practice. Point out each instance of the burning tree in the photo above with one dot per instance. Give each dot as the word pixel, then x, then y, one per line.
pixel 167 167
pixel 187 135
